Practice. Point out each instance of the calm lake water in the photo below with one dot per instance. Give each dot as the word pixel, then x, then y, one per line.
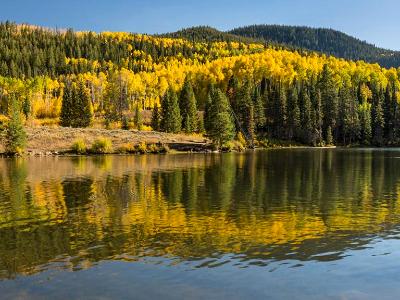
pixel 278 224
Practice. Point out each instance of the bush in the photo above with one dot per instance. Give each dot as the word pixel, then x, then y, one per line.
pixel 101 146
pixel 79 147
pixel 240 138
pixel 15 134
pixel 142 147
pixel 126 148
pixel 228 147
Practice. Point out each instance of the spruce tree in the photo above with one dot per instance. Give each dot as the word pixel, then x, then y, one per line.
pixel 82 106
pixel 66 113
pixel 318 118
pixel 280 112
pixel 329 99
pixel 306 116
pixel 329 136
pixel 245 112
pixel 259 109
pixel 348 116
pixel 207 109
pixel 364 112
pixel 221 127
pixel 188 107
pixel 15 133
pixel 171 120
pixel 293 113
pixel 138 120
pixel 155 118
pixel 378 119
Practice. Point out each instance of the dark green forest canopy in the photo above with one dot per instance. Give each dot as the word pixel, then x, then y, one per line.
pixel 328 41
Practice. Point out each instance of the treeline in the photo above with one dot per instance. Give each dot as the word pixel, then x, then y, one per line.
pixel 328 41
pixel 314 113
pixel 27 51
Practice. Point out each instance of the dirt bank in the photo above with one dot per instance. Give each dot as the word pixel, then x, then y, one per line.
pixel 46 140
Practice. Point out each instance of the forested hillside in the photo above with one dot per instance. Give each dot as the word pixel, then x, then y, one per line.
pixel 327 41
pixel 225 89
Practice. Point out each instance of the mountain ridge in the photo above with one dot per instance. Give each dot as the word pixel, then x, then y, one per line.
pixel 324 40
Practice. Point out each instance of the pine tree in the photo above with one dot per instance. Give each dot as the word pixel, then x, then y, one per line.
pixel 259 110
pixel 207 109
pixel 221 127
pixel 306 117
pixel 389 109
pixel 171 120
pixel 329 136
pixel 188 107
pixel 27 108
pixel 82 106
pixel 155 118
pixel 66 114
pixel 378 119
pixel 318 118
pixel 348 116
pixel 138 118
pixel 364 112
pixel 15 133
pixel 329 99
pixel 280 112
pixel 293 113
pixel 245 112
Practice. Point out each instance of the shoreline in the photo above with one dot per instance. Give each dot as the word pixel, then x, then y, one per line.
pixel 57 141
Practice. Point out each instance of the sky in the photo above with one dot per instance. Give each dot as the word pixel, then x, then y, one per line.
pixel 376 21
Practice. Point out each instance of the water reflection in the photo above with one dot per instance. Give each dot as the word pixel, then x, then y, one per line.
pixel 208 210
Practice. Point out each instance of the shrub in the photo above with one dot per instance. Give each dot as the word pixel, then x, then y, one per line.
pixel 228 147
pixel 101 146
pixel 153 148
pixel 142 147
pixel 126 148
pixel 15 134
pixel 79 147
pixel 240 138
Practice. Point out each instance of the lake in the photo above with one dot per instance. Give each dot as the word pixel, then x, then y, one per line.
pixel 273 224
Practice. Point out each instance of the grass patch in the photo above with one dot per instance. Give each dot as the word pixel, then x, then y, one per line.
pixel 101 146
pixel 79 147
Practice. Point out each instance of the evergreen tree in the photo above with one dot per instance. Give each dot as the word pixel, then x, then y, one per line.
pixel 329 99
pixel 259 109
pixel 221 127
pixel 155 118
pixel 348 116
pixel 318 118
pixel 15 133
pixel 277 111
pixel 364 112
pixel 188 107
pixel 329 137
pixel 76 108
pixel 378 119
pixel 138 118
pixel 306 118
pixel 171 120
pixel 207 109
pixel 27 108
pixel 82 106
pixel 66 114
pixel 389 110
pixel 245 112
pixel 293 113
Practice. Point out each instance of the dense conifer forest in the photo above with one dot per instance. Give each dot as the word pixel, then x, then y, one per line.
pixel 199 81
pixel 328 41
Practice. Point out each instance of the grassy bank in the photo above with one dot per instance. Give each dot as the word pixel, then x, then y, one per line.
pixel 48 140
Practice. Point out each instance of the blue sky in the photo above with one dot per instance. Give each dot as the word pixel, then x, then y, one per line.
pixel 376 21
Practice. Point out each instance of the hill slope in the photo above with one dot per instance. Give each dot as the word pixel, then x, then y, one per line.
pixel 329 41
